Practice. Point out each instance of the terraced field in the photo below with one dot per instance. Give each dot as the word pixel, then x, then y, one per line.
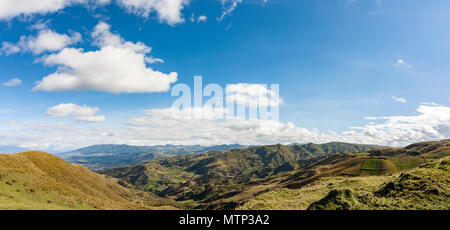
pixel 266 177
pixel 423 187
pixel 374 166
pixel 406 162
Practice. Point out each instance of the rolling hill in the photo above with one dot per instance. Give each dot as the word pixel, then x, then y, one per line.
pixel 424 187
pixel 414 177
pixel 38 180
pixel 310 176
pixel 98 157
pixel 208 180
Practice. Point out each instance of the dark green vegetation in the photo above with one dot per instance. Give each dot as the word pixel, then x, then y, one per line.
pixel 415 177
pixel 425 187
pixel 97 157
pixel 374 166
pixel 327 176
pixel 38 180
pixel 223 179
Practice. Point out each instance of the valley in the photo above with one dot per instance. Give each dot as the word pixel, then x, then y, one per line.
pixel 98 157
pixel 310 176
pixel 223 179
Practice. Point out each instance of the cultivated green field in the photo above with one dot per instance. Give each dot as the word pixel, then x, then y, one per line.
pixel 424 187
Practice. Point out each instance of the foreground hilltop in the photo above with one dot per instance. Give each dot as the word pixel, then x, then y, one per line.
pixel 310 176
pixel 38 180
pixel 424 187
pixel 414 177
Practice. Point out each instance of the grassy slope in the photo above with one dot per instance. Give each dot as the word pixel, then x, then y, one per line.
pixel 424 187
pixel 300 199
pixel 227 179
pixel 37 180
pixel 217 175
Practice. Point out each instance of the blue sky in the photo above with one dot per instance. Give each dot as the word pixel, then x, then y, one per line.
pixel 348 70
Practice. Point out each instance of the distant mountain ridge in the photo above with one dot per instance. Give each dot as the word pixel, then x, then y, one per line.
pixel 214 175
pixel 109 155
pixel 309 176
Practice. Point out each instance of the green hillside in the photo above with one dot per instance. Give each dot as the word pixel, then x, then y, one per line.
pixel 415 177
pixel 310 176
pixel 201 181
pixel 425 187
pixel 37 180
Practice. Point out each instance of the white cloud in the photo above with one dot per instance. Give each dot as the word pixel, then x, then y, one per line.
pixel 9 48
pixel 402 64
pixel 40 25
pixel 198 19
pixel 158 126
pixel 152 60
pixel 431 123
pixel 202 18
pixel 252 95
pixel 168 11
pixel 46 40
pixel 13 82
pixel 12 8
pixel 118 66
pixel 79 113
pixel 399 99
pixel 229 6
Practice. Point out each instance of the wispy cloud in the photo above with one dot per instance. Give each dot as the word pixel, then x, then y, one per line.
pixel 198 19
pixel 158 126
pixel 252 95
pixel 13 8
pixel 402 64
pixel 45 40
pixel 79 113
pixel 229 6
pixel 399 99
pixel 13 82
pixel 168 11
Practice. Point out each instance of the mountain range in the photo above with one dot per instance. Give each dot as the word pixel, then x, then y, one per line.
pixel 97 157
pixel 210 177
pixel 309 176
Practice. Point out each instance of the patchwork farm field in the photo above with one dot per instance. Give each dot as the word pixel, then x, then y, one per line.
pixel 376 167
